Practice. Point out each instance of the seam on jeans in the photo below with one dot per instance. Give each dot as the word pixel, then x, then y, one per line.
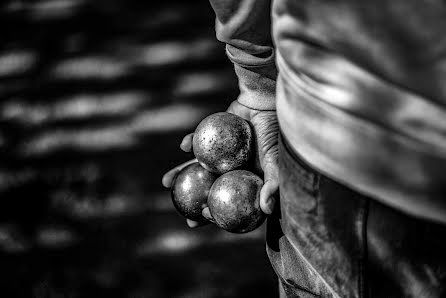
pixel 363 248
pixel 317 190
pixel 286 282
pixel 297 157
pixel 307 169
pixel 298 287
pixel 307 263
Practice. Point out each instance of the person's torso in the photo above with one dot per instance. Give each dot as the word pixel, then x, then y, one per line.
pixel 362 95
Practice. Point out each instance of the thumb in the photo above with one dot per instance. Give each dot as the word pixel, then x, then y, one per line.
pixel 270 187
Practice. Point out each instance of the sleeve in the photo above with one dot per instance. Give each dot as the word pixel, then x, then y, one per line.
pixel 245 27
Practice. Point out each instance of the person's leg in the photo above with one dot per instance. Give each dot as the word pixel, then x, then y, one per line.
pixel 406 255
pixel 327 240
pixel 321 252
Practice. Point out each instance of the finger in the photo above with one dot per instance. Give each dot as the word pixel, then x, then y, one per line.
pixel 207 214
pixel 186 143
pixel 170 176
pixel 270 187
pixel 267 199
pixel 195 224
pixel 192 223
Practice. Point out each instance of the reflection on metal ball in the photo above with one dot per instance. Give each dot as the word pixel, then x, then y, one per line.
pixel 234 201
pixel 222 142
pixel 190 191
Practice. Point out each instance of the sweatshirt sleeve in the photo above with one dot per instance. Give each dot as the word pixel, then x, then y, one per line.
pixel 245 27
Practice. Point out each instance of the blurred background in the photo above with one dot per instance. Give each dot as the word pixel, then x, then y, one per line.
pixel 95 97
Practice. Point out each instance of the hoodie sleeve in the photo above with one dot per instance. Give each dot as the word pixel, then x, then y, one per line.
pixel 245 27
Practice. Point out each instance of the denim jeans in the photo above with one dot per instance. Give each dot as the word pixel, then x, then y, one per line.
pixel 326 240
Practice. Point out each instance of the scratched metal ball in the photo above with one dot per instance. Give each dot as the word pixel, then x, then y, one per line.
pixel 222 142
pixel 234 201
pixel 190 191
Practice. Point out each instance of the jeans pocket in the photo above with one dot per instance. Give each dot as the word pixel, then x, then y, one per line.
pixel 298 179
pixel 296 278
pixel 299 200
pixel 318 220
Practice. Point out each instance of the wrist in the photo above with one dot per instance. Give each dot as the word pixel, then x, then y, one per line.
pixel 256 77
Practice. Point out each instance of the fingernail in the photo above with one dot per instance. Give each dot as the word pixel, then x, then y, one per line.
pixel 164 182
pixel 192 223
pixel 207 214
pixel 270 202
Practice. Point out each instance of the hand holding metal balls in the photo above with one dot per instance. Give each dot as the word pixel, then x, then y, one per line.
pixel 222 143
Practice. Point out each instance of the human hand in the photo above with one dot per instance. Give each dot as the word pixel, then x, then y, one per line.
pixel 266 129
pixel 266 133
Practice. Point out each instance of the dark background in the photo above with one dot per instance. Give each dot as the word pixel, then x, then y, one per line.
pixel 95 97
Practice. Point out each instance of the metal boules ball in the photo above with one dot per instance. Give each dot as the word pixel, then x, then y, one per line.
pixel 222 142
pixel 234 201
pixel 190 191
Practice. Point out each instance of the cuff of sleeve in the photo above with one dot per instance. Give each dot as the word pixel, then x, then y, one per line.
pixel 257 78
